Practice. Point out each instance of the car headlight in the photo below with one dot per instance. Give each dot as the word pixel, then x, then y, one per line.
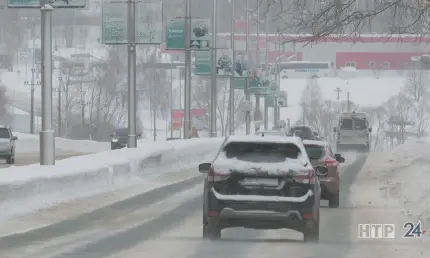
pixel 114 139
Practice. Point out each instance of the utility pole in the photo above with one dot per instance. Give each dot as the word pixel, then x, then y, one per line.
pixel 131 73
pixel 257 97
pixel 247 90
pixel 348 102
pixel 171 99
pixel 213 75
pixel 47 139
pixel 277 79
pixel 187 87
pixel 338 90
pixel 266 106
pixel 232 81
pixel 60 89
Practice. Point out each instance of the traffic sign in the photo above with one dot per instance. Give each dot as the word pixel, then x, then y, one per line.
pixel 148 23
pixel 114 22
pixel 37 56
pixel 54 3
pixel 203 63
pixel 200 37
pixel 200 28
pixel 224 62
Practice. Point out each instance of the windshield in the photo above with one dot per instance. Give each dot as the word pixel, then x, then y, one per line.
pixel 4 133
pixel 315 151
pixel 346 124
pixel 261 152
pixel 121 132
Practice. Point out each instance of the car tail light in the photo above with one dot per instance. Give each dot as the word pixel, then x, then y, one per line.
pixel 306 179
pixel 212 213
pixel 216 177
pixel 329 162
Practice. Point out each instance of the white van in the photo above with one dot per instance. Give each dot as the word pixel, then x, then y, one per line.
pixel 353 131
pixel 305 69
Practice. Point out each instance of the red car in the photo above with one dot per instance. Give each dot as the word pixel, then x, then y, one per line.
pixel 321 154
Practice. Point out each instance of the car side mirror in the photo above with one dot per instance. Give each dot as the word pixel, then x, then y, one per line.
pixel 204 167
pixel 321 171
pixel 370 129
pixel 14 138
pixel 334 129
pixel 339 158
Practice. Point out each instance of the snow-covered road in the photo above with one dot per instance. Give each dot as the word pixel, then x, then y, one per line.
pixel 166 222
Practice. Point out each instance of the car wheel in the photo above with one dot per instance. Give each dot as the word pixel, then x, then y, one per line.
pixel 312 235
pixel 333 202
pixel 10 160
pixel 211 231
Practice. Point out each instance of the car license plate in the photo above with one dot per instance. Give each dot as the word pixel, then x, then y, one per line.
pixel 260 181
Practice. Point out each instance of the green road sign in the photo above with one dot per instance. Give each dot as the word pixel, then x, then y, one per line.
pixel 203 63
pixel 55 4
pixel 200 37
pixel 114 22
pixel 148 23
pixel 175 34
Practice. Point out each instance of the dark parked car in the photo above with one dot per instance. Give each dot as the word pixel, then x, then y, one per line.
pixel 261 183
pixel 119 138
pixel 306 132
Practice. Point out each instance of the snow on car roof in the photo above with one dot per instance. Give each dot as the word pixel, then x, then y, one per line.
pixel 313 142
pixel 265 139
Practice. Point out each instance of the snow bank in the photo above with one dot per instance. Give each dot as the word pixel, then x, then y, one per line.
pixel 30 143
pixel 33 187
pixel 404 173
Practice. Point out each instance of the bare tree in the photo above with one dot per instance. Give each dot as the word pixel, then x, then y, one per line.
pixel 324 18
pixel 3 101
pixel 311 101
pixel 421 114
pixel 417 84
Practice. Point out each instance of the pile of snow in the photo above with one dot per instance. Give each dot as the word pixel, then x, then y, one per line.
pixel 404 173
pixel 28 188
pixel 28 143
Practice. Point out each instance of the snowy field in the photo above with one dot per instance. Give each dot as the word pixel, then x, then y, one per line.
pixel 364 91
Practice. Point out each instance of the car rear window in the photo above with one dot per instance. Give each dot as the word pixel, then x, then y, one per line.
pixel 315 151
pixel 121 132
pixel 261 152
pixel 346 124
pixel 4 133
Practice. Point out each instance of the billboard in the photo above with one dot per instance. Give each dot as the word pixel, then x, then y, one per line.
pixel 197 114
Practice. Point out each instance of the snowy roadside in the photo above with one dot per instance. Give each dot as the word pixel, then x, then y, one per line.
pixel 395 183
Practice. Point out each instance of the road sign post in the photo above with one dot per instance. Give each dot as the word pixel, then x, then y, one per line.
pixel 132 22
pixel 188 34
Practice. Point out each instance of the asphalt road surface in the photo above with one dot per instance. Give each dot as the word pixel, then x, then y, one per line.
pixel 167 222
pixel 22 159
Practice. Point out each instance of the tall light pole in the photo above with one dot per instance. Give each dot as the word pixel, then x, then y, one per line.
pixel 266 106
pixel 257 97
pixel 132 103
pixel 47 139
pixel 247 91
pixel 231 95
pixel 187 87
pixel 213 101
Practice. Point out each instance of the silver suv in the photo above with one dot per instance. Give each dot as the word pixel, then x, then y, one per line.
pixel 7 144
